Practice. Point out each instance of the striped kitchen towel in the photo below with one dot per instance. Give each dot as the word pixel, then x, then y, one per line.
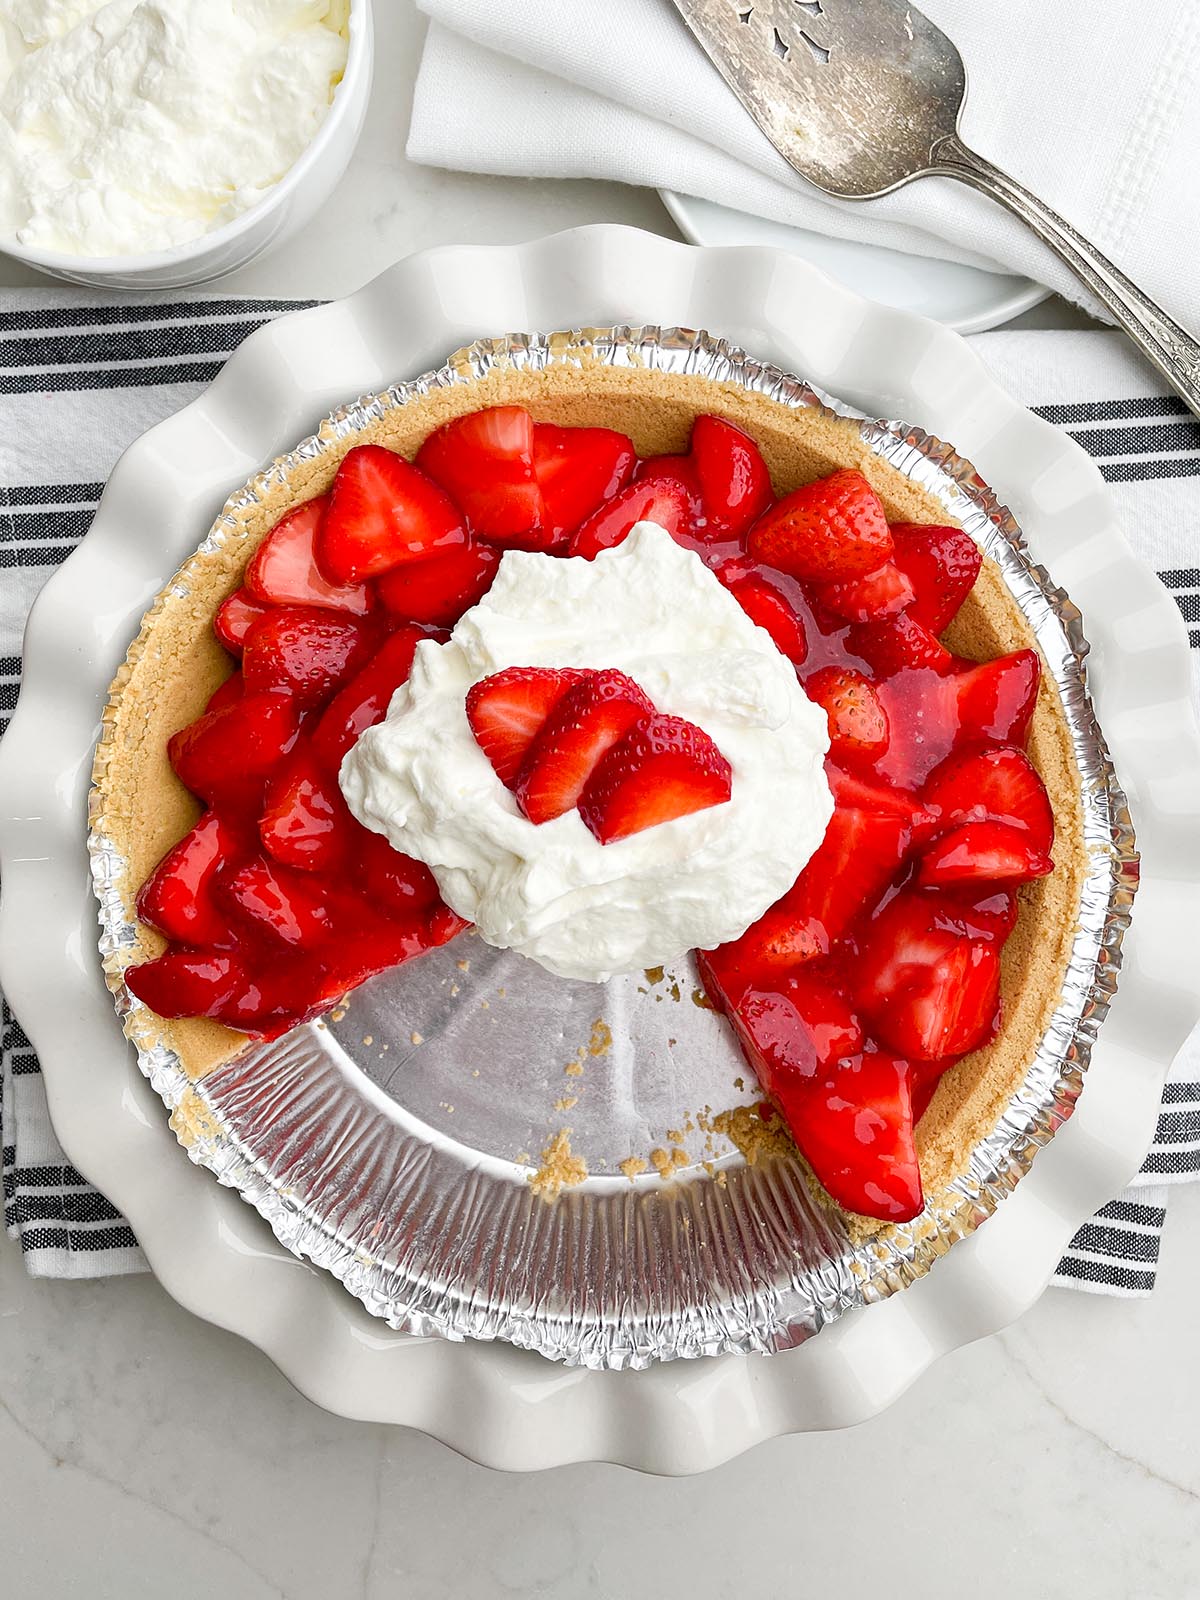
pixel 80 379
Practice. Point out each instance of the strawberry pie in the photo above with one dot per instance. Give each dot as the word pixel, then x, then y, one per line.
pixel 613 665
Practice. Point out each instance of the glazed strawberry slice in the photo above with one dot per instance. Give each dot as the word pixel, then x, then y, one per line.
pixel 377 947
pixel 662 769
pixel 577 470
pixel 979 911
pixel 284 569
pixel 735 486
pixel 852 791
pixel 765 605
pixel 995 700
pixel 485 463
pixel 996 785
pixel 364 701
pixel 881 593
pixel 265 1004
pixel 227 693
pixel 305 823
pixel 858 723
pixel 177 897
pixel 864 846
pixel 276 901
pixel 306 652
pixel 797 1030
pixel 235 617
pixel 578 732
pixel 662 499
pixel 225 756
pixel 439 590
pixel 507 710
pixel 827 531
pixel 928 991
pixel 898 644
pixel 680 470
pixel 988 852
pixel 395 882
pixel 187 983
pixel 932 716
pixel 382 512
pixel 942 564
pixel 854 1126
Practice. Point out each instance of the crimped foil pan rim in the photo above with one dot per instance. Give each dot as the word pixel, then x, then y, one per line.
pixel 776 1315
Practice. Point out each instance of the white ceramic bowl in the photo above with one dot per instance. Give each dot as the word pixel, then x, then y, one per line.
pixel 211 1250
pixel 309 181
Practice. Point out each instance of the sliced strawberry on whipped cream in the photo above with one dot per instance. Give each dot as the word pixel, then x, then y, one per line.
pixel 662 769
pixel 579 731
pixel 506 712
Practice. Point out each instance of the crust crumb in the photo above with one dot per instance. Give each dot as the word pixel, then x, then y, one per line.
pixel 632 1167
pixel 566 1102
pixel 601 1041
pixel 755 1130
pixel 561 1168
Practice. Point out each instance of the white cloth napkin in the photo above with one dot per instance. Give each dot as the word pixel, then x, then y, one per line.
pixel 80 378
pixel 1093 104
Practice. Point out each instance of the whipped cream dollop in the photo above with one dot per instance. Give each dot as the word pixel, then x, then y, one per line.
pixel 134 125
pixel 552 891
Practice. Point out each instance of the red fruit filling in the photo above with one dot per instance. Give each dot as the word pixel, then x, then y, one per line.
pixel 876 971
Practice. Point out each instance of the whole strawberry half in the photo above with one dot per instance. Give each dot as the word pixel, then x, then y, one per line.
pixel 830 530
pixel 306 652
pixel 437 591
pixel 382 512
pixel 577 470
pixel 177 898
pixel 942 564
pixel 853 1123
pixel 661 499
pixel 364 700
pixel 993 785
pixel 735 486
pixel 580 729
pixel 485 463
pixel 284 571
pixel 225 756
pixel 235 617
pixel 928 992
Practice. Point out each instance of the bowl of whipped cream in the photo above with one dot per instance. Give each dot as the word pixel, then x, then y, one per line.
pixel 156 143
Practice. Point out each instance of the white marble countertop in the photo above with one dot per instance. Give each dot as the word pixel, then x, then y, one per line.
pixel 1080 1423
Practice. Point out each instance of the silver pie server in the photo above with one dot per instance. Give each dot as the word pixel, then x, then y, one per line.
pixel 861 96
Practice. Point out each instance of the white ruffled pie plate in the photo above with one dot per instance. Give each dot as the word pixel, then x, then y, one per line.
pixel 210 1250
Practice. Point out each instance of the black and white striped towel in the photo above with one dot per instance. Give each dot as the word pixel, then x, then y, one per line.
pixel 79 380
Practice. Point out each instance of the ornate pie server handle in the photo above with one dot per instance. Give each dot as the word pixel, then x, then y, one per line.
pixel 1161 340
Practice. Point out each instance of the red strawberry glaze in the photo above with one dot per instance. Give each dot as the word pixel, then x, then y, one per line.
pixel 875 972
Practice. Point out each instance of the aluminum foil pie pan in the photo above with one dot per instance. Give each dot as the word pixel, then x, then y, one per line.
pixel 394 1142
